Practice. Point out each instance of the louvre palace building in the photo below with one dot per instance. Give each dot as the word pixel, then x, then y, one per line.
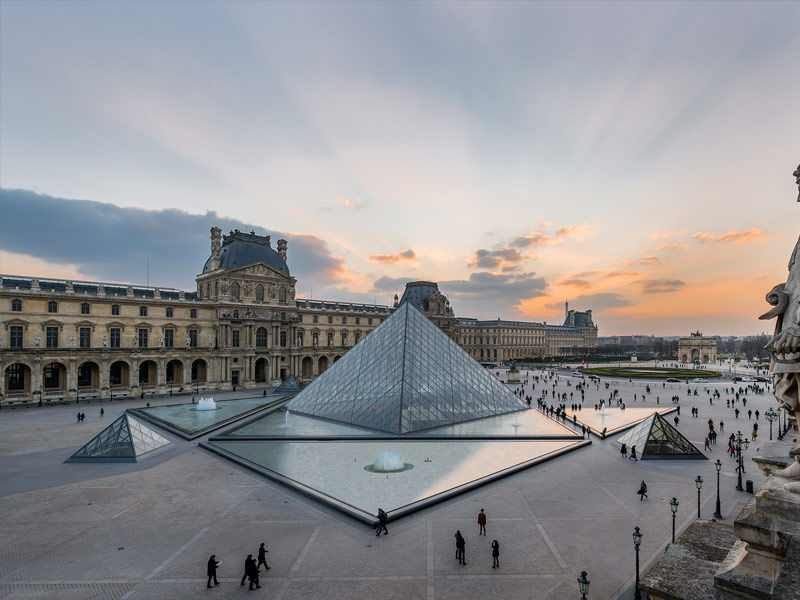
pixel 242 327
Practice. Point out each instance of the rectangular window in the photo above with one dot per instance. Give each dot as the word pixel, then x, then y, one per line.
pixel 315 339
pixel 344 320
pixel 85 308
pixel 344 339
pixel 169 338
pixel 143 338
pixel 283 339
pixel 115 337
pixel 235 338
pixel 51 337
pixel 314 319
pixel 16 336
pixel 115 309
pixel 330 339
pixel 193 338
pixel 85 337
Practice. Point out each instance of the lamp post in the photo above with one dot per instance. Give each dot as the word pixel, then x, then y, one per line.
pixel 699 483
pixel 740 441
pixel 771 415
pixel 583 585
pixel 673 506
pixel 718 467
pixel 637 540
pixel 780 427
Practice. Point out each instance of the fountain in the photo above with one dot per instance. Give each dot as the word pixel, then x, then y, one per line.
pixel 388 461
pixel 206 404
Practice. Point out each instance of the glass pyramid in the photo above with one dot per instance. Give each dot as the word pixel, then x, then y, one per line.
pixel 125 440
pixel 656 438
pixel 290 385
pixel 405 376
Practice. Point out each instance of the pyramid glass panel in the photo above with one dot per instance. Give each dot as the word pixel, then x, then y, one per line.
pixel 406 376
pixel 655 437
pixel 290 385
pixel 124 440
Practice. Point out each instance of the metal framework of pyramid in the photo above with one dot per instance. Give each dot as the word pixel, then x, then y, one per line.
pixel 126 440
pixel 290 385
pixel 405 376
pixel 656 438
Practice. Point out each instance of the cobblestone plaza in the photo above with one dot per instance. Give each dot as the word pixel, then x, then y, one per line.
pixel 146 530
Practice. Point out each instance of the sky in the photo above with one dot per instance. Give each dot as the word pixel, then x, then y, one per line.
pixel 634 159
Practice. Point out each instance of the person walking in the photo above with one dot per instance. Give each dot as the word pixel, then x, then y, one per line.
pixel 482 523
pixel 262 556
pixel 495 555
pixel 102 412
pixel 246 568
pixel 642 491
pixel 707 446
pixel 382 519
pixel 461 549
pixel 211 570
pixel 252 573
pixel 624 451
pixel 633 454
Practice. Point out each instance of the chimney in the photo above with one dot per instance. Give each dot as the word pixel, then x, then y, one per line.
pixel 282 248
pixel 216 235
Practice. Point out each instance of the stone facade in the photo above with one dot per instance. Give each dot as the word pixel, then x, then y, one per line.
pixel 241 328
pixel 697 349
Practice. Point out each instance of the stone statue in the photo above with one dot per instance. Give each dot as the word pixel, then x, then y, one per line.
pixel 37 341
pixel 784 347
pixel 210 342
pixel 161 341
pixel 105 341
pixel 72 341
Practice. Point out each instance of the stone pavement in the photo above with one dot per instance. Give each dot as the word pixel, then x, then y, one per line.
pixel 146 530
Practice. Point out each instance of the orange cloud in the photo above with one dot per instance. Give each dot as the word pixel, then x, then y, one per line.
pixel 576 282
pixel 507 259
pixel 576 231
pixel 408 255
pixel 732 237
pixel 645 260
pixel 537 238
pixel 672 247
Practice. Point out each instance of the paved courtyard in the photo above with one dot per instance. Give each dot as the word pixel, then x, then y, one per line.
pixel 146 530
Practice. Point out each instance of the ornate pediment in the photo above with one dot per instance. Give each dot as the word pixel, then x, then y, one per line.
pixel 261 270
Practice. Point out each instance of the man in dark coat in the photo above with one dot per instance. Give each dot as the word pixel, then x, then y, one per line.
pixel 481 523
pixel 211 571
pixel 461 549
pixel 262 556
pixel 252 572
pixel 495 555
pixel 246 568
pixel 382 519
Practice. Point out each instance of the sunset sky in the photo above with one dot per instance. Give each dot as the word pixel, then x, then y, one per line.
pixel 631 158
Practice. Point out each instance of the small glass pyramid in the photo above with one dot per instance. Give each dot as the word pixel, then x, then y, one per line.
pixel 656 438
pixel 290 385
pixel 405 376
pixel 125 440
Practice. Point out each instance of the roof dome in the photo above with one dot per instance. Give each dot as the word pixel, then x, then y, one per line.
pixel 243 249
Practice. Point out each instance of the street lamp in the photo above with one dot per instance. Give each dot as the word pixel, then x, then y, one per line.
pixel 771 415
pixel 740 441
pixel 583 585
pixel 637 540
pixel 780 427
pixel 673 506
pixel 699 483
pixel 718 467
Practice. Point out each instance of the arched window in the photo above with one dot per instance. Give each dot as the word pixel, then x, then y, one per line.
pixel 282 295
pixel 16 305
pixel 234 291
pixel 261 337
pixel 52 306
pixel 259 293
pixel 142 311
pixel 85 308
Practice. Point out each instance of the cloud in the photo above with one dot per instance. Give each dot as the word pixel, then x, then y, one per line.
pixel 672 246
pixel 612 274
pixel 113 243
pixel 537 238
pixel 406 256
pixel 594 302
pixel 667 234
pixel 506 259
pixel 351 203
pixel 741 237
pixel 501 291
pixel 576 282
pixel 645 260
pixel 732 237
pixel 660 286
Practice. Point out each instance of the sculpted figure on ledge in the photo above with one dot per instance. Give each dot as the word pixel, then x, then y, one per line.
pixel 785 344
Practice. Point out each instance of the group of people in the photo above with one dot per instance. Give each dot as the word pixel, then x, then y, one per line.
pixel 461 543
pixel 624 452
pixel 252 568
